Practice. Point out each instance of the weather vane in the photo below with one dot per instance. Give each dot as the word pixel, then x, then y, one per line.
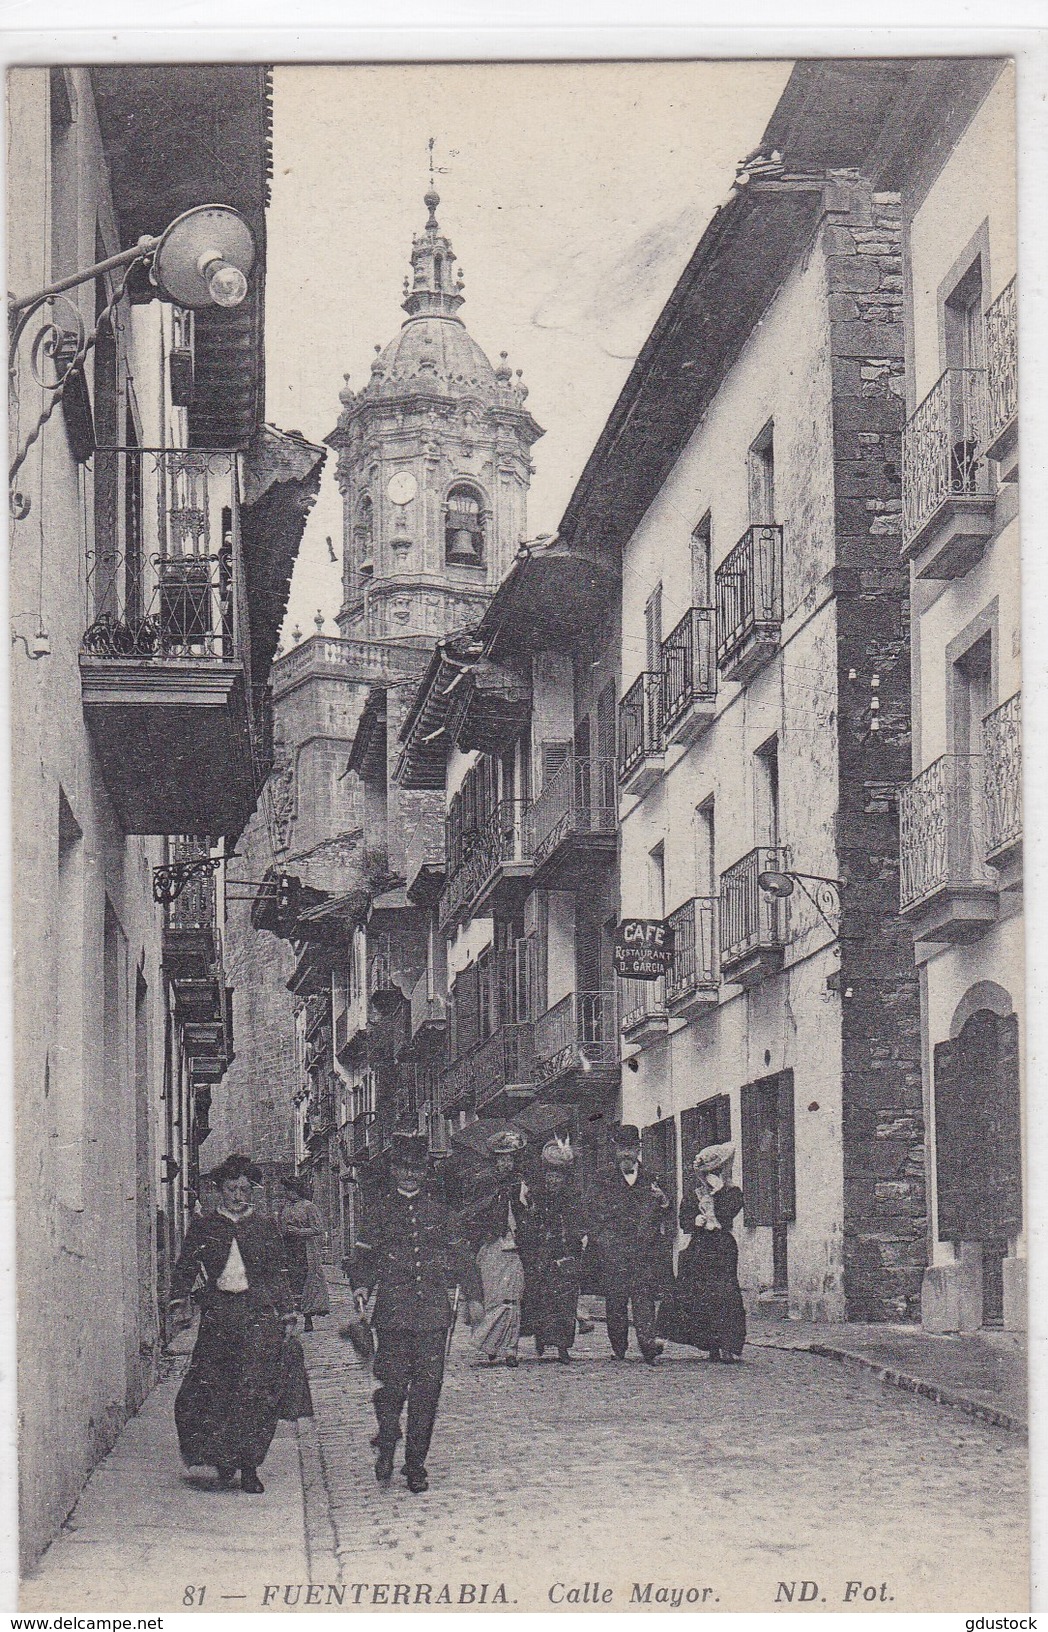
pixel 434 170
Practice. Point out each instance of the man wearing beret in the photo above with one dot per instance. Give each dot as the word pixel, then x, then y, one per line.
pixel 412 1257
pixel 628 1226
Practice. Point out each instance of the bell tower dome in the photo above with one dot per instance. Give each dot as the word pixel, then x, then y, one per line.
pixel 434 465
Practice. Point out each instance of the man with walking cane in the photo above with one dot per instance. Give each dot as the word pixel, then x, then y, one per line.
pixel 412 1257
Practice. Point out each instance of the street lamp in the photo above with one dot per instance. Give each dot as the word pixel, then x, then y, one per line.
pixel 202 259
pixel 825 897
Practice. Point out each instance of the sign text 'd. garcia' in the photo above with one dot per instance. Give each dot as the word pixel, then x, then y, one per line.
pixel 643 948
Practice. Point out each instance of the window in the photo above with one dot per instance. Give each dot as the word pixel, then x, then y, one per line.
pixel 705 849
pixel 768 1151
pixel 702 1125
pixel 963 320
pixel 653 631
pixel 66 1062
pixel 762 477
pixel 766 793
pixel 657 882
pixel 701 563
pixel 464 520
pixel 364 536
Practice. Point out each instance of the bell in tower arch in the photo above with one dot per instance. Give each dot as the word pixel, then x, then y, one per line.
pixel 464 529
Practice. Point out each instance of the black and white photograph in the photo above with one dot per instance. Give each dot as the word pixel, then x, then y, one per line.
pixel 515 694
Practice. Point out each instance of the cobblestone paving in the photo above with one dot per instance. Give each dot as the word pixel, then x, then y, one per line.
pixel 732 1479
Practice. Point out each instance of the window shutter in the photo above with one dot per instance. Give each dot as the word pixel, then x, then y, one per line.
pixel 468 1009
pixel 553 756
pixel 722 1119
pixel 786 1208
pixel 751 1197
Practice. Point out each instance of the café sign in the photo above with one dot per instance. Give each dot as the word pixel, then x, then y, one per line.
pixel 643 948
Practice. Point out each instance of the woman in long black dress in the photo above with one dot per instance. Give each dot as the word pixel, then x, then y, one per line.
pixel 551 1249
pixel 708 1311
pixel 227 1408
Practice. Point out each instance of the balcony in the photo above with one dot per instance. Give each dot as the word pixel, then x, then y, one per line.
pixel 505 1074
pixel 190 921
pixel 642 1006
pixel 577 1046
pixel 1002 383
pixel 752 924
pixel 163 662
pixel 424 860
pixel 947 496
pixel 384 994
pixel 350 1031
pixel 693 980
pixel 641 747
pixel 749 603
pixel 1003 787
pixel 574 823
pixel 428 1013
pixel 689 677
pixel 495 872
pixel 459 1086
pixel 947 890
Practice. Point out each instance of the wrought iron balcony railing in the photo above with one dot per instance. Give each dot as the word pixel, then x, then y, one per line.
pixel 750 920
pixel 641 1002
pixel 579 801
pixel 580 1031
pixel 164 577
pixel 689 665
pixel 694 966
pixel 505 1059
pixel 749 592
pixel 942 830
pixel 942 444
pixel 640 723
pixel 504 842
pixel 1003 777
pixel 1002 367
pixel 195 907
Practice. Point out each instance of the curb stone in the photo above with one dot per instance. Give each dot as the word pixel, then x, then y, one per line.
pixel 937 1392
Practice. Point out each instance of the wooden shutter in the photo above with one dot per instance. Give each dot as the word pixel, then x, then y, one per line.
pixel 786 1187
pixel 553 756
pixel 751 1196
pixel 978 1151
pixel 467 992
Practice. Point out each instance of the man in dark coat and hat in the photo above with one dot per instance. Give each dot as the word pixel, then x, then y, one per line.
pixel 413 1258
pixel 628 1225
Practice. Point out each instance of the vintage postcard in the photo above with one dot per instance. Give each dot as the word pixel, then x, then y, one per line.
pixel 516 703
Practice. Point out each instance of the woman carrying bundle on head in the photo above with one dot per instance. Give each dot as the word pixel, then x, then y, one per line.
pixel 706 1309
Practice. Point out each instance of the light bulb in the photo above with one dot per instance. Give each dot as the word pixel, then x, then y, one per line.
pixel 227 284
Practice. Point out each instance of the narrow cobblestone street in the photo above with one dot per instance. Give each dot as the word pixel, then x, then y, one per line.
pixel 687 1475
pixel 727 1482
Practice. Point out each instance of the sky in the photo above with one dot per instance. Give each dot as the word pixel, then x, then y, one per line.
pixel 573 194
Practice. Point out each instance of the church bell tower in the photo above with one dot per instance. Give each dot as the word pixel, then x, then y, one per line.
pixel 434 464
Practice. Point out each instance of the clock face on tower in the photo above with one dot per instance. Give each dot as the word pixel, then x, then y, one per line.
pixel 402 487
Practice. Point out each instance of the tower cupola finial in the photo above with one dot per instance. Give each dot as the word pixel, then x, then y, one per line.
pixel 433 290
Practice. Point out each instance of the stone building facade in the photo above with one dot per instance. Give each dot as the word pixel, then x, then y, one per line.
pixel 961 825
pixel 156 524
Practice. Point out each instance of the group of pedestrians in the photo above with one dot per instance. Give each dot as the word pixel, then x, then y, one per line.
pixel 535 1232
pixel 514 1254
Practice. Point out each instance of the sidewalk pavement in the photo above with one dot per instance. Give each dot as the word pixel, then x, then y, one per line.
pixel 146 1532
pixel 982 1374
